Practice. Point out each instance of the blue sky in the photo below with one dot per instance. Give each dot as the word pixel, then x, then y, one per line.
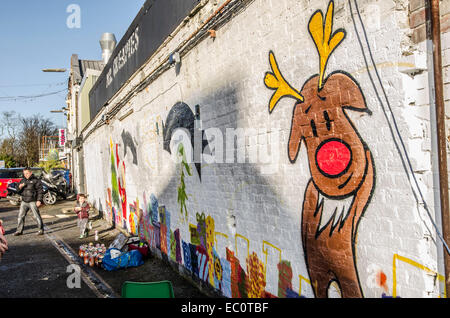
pixel 35 35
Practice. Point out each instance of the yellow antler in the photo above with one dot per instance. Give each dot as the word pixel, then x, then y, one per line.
pixel 276 82
pixel 321 34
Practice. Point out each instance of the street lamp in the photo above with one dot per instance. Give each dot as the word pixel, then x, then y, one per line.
pixel 63 110
pixel 54 70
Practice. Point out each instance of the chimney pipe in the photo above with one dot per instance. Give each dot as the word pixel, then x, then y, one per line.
pixel 107 43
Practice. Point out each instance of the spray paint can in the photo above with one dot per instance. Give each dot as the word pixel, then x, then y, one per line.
pixel 100 260
pixel 92 259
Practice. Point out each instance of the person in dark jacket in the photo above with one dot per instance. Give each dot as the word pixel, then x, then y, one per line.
pixel 30 188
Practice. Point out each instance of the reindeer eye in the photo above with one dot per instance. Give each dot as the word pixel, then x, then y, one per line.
pixel 308 109
pixel 313 127
pixel 327 119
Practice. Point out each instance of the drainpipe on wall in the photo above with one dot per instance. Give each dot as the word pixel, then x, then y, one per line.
pixel 434 35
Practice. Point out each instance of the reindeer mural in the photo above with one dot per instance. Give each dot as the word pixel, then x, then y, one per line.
pixel 341 165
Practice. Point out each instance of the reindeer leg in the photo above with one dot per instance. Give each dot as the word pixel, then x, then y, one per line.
pixel 351 287
pixel 332 257
pixel 319 273
pixel 364 194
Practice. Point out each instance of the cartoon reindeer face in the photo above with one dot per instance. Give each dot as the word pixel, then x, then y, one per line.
pixel 341 166
pixel 336 154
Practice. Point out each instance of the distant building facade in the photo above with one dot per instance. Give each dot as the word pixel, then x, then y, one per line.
pixel 83 74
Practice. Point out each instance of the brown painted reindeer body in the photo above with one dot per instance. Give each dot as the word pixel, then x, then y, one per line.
pixel 341 165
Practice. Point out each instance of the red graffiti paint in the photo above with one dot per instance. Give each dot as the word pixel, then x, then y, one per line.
pixel 284 278
pixel 123 193
pixel 333 157
pixel 381 280
pixel 117 156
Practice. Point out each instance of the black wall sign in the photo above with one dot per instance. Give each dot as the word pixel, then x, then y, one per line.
pixel 153 24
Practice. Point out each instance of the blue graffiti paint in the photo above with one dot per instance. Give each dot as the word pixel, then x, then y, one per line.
pixel 194 261
pixel 383 295
pixel 187 256
pixel 292 294
pixel 226 277
pixel 167 219
pixel 154 207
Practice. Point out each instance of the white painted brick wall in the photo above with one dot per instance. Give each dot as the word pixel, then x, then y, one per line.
pixel 225 77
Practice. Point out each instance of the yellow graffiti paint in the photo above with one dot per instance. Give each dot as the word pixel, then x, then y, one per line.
pixel 271 245
pixel 218 271
pixel 139 211
pixel 220 234
pixel 209 246
pixel 276 81
pixel 244 238
pixel 415 264
pixel 265 246
pixel 256 277
pixel 133 223
pixel 302 278
pixel 324 40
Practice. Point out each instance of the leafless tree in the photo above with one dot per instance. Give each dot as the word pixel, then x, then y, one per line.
pixel 10 130
pixel 32 130
pixel 21 136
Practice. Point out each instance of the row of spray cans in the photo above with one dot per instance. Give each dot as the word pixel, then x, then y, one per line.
pixel 92 255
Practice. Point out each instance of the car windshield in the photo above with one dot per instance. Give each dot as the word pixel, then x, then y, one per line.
pixel 10 174
pixel 15 173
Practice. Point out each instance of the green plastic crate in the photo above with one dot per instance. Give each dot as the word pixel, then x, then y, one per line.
pixel 162 289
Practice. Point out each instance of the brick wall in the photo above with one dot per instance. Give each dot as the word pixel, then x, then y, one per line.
pixel 257 225
pixel 417 25
pixel 417 19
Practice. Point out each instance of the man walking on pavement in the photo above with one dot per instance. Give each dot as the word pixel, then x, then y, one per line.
pixel 30 188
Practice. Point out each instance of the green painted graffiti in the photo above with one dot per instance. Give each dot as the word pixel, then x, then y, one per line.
pixel 115 186
pixel 182 196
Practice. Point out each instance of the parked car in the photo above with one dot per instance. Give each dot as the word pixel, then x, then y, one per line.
pixel 7 176
pixel 10 175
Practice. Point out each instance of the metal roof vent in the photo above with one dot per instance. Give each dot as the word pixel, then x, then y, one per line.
pixel 108 43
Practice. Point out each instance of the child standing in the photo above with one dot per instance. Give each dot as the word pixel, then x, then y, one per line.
pixel 3 242
pixel 82 209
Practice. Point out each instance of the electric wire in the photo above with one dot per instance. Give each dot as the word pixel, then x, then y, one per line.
pixel 26 97
pixel 35 85
pixel 406 165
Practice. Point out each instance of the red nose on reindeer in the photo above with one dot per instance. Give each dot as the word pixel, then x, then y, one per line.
pixel 333 157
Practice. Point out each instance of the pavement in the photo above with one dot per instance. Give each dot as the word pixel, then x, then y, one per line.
pixel 48 266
